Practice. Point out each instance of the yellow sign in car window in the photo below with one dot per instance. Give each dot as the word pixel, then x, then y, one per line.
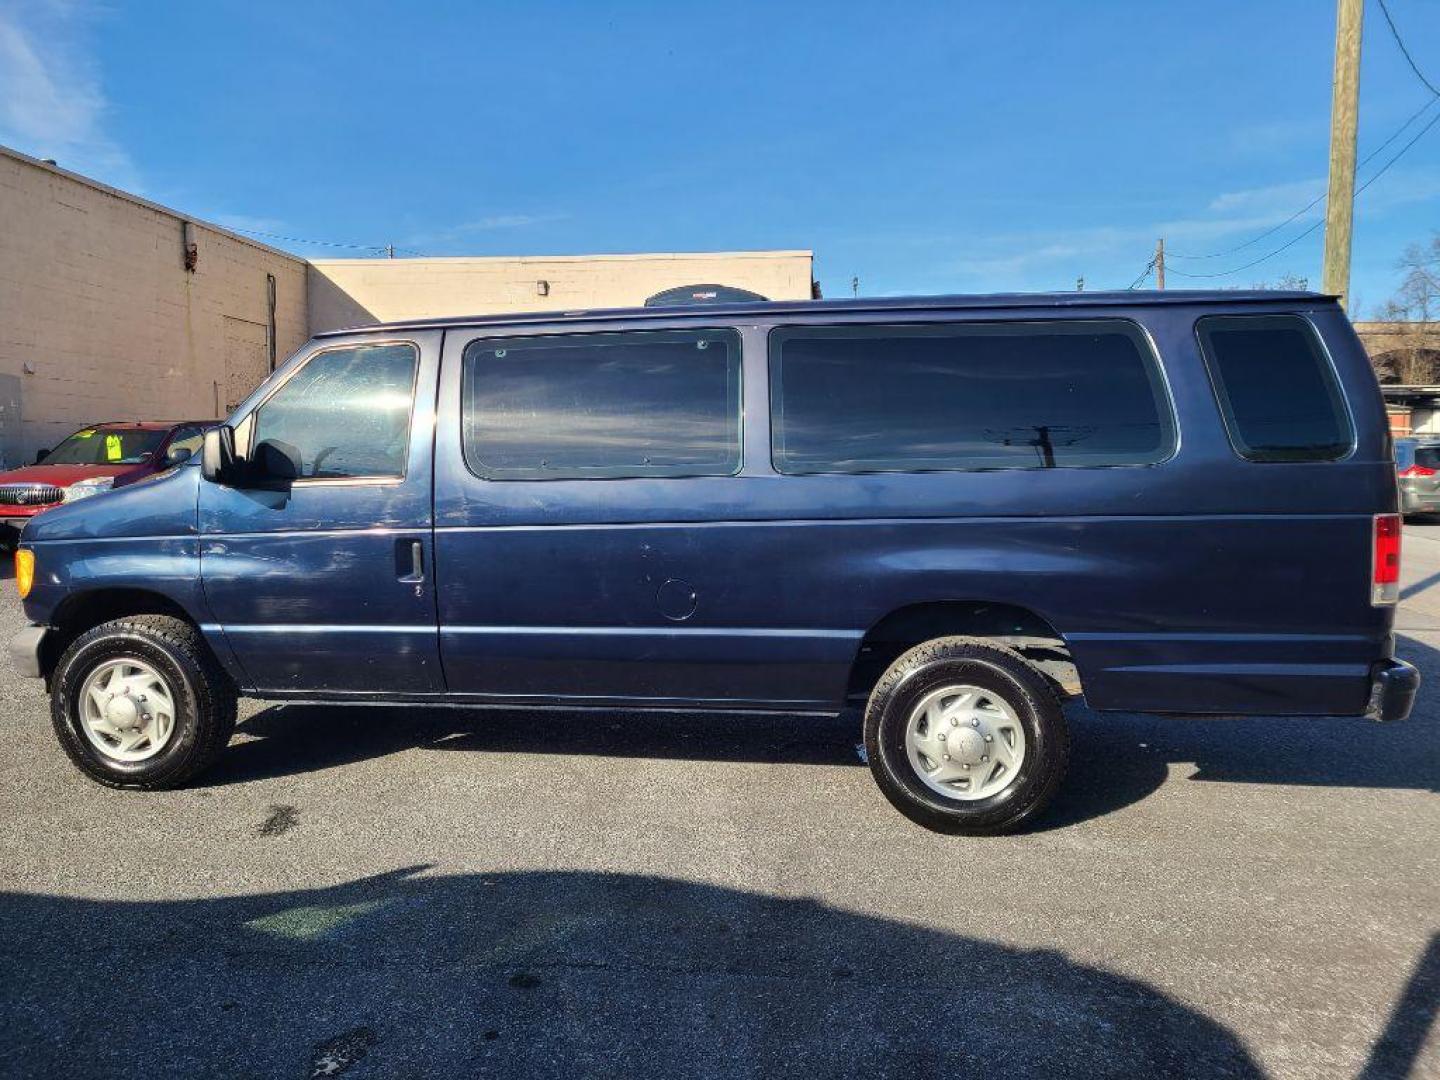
pixel 85 434
pixel 114 450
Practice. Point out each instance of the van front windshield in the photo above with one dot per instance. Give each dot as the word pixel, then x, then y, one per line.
pixel 106 446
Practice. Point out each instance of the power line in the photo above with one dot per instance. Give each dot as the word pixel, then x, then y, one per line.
pixel 380 249
pixel 1143 275
pixel 1256 239
pixel 299 240
pixel 1315 201
pixel 1256 262
pixel 1435 94
pixel 1295 240
pixel 1395 33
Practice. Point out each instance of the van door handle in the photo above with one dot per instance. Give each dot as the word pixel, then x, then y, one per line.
pixel 410 560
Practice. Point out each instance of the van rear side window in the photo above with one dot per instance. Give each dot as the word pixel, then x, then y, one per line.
pixel 912 398
pixel 603 406
pixel 1276 388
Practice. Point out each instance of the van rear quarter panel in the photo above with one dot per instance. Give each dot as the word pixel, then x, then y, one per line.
pixel 1206 583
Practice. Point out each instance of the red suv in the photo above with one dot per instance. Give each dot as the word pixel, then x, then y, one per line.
pixel 92 460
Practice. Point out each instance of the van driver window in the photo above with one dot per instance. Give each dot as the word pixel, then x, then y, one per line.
pixel 345 414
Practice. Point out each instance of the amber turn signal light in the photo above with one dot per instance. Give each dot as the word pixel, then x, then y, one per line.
pixel 24 571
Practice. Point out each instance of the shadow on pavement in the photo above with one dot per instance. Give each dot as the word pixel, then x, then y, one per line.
pixel 560 974
pixel 1118 759
pixel 292 739
pixel 1403 1039
pixel 1415 588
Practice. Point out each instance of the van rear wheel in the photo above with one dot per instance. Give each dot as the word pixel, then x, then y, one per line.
pixel 966 736
pixel 140 702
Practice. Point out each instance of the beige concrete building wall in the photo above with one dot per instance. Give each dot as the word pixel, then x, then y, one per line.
pixel 100 320
pixel 358 292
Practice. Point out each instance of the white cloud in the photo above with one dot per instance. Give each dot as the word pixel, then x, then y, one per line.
pixel 456 235
pixel 52 104
pixel 1273 138
pixel 1012 256
pixel 1038 259
pixel 1282 199
pixel 506 221
pixel 1402 187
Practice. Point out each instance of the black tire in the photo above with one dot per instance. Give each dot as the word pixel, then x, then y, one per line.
pixel 204 700
pixel 988 666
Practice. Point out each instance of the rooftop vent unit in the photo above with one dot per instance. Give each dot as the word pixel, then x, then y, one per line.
pixel 685 295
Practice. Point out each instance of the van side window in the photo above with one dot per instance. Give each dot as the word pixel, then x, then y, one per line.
pixel 921 397
pixel 345 414
pixel 610 405
pixel 1277 390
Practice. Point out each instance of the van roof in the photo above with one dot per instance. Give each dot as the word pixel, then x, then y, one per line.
pixel 762 309
pixel 146 425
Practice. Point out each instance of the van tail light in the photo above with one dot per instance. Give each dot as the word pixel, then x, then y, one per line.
pixel 1385 580
pixel 1417 470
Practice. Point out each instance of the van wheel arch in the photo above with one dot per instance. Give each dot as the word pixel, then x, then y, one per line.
pixel 81 612
pixel 1022 629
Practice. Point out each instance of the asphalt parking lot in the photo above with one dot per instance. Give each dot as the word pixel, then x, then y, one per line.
pixel 408 893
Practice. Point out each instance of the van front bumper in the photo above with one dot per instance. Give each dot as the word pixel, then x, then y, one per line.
pixel 1392 690
pixel 25 650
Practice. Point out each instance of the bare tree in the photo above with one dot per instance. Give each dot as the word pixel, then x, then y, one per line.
pixel 1287 282
pixel 1411 356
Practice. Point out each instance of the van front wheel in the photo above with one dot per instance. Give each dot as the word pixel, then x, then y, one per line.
pixel 965 736
pixel 140 702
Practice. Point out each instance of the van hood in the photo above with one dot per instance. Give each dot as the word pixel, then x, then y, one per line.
pixel 61 475
pixel 163 504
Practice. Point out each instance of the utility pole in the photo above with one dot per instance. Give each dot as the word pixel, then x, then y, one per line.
pixel 1344 121
pixel 1160 263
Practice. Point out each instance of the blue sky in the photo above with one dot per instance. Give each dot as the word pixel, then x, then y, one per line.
pixel 946 147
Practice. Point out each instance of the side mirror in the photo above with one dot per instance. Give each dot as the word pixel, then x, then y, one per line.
pixel 178 455
pixel 217 455
pixel 41 455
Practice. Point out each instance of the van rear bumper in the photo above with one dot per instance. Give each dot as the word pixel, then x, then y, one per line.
pixel 1392 690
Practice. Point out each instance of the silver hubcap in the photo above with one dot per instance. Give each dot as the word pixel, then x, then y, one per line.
pixel 964 742
pixel 127 710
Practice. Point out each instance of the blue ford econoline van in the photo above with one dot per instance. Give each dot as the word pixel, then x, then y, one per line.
pixel 949 512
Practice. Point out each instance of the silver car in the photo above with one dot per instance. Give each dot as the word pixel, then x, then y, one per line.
pixel 1417 467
